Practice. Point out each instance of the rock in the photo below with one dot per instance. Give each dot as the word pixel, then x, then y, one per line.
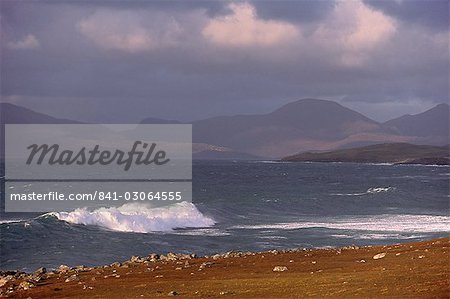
pixel 280 269
pixel 379 256
pixel 4 280
pixel 136 259
pixel 153 257
pixel 25 285
pixel 171 256
pixel 71 278
pixel 40 271
pixel 204 265
pixel 63 269
pixel 172 293
pixel 80 268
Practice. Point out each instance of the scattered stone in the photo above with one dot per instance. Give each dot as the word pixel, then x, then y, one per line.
pixel 71 278
pixel 63 269
pixel 40 271
pixel 137 259
pixel 421 256
pixel 4 280
pixel 280 269
pixel 397 254
pixel 172 293
pixel 171 256
pixel 361 261
pixel 379 256
pixel 25 285
pixel 204 265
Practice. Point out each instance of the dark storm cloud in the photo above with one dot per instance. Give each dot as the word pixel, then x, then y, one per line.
pixel 294 11
pixel 123 61
pixel 432 13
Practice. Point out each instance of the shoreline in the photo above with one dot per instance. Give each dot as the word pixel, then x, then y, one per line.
pixel 419 269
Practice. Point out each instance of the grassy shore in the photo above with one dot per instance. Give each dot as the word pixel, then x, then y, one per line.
pixel 409 270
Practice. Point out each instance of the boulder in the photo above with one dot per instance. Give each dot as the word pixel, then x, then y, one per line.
pixel 379 256
pixel 280 269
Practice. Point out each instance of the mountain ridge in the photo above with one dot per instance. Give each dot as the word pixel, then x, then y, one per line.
pixel 299 126
pixel 432 122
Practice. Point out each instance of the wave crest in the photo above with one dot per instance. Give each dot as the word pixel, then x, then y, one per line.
pixel 379 189
pixel 140 218
pixel 373 190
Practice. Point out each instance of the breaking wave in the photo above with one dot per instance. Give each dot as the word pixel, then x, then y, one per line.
pixel 374 190
pixel 139 218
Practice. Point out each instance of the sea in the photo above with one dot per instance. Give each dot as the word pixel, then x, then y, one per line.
pixel 244 206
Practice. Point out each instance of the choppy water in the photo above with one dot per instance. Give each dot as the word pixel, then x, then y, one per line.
pixel 245 206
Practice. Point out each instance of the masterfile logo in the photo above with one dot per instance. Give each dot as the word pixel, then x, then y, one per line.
pixel 53 155
pixel 96 165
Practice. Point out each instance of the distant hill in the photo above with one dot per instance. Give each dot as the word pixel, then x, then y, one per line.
pixel 398 153
pixel 433 122
pixel 13 114
pixel 158 121
pixel 302 125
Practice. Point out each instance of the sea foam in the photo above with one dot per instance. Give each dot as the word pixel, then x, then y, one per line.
pixel 139 218
pixel 373 190
pixel 378 223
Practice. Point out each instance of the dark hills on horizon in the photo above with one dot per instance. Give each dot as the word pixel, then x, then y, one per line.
pixel 300 126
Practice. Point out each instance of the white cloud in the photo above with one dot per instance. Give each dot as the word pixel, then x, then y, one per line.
pixel 129 31
pixel 28 42
pixel 244 28
pixel 354 29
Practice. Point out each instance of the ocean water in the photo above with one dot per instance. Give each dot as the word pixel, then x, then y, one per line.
pixel 247 206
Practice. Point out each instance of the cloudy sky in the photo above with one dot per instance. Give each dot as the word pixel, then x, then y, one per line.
pixel 120 61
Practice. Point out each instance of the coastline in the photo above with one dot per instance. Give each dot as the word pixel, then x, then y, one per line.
pixel 419 270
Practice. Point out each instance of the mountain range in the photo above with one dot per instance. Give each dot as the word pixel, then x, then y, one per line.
pixel 300 126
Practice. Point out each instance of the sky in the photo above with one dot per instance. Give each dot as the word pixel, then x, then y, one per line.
pixel 122 61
